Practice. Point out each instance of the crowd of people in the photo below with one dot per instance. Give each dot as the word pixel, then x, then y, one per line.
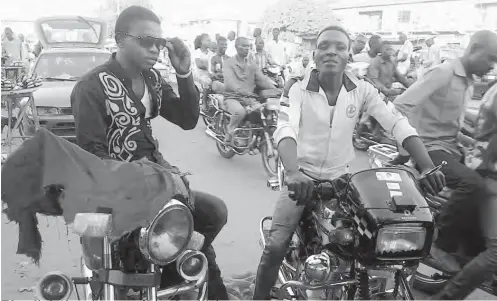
pixel 314 131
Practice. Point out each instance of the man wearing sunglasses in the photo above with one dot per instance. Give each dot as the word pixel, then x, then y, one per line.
pixel 114 104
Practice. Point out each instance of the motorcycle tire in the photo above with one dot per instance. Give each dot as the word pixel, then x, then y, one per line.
pixel 427 284
pixel 225 151
pixel 270 170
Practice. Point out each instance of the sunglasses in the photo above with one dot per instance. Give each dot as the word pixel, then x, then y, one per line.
pixel 148 41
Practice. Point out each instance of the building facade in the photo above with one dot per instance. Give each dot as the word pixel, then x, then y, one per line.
pixel 417 15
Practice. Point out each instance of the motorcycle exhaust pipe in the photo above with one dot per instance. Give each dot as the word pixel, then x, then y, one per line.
pixel 213 135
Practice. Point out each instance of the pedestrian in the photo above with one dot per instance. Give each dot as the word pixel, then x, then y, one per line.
pixel 359 44
pixel 13 47
pixel 277 49
pixel 430 58
pixel 231 50
pixel 114 104
pixel 404 55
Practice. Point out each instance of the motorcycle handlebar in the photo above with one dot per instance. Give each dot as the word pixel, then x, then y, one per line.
pixel 323 189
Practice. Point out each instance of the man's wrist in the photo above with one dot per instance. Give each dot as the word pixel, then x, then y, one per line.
pixel 184 75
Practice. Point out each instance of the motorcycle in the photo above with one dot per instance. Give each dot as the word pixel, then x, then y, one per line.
pixel 380 156
pixel 160 261
pixel 359 233
pixel 254 135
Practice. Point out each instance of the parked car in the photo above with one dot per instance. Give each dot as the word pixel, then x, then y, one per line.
pixel 72 46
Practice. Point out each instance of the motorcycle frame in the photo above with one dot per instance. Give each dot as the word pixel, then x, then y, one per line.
pixel 251 146
pixel 111 279
pixel 286 274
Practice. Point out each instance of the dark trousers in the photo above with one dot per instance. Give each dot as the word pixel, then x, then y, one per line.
pixel 210 215
pixel 459 218
pixel 469 215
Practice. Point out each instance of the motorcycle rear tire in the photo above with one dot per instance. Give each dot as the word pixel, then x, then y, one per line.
pixel 271 172
pixel 427 284
pixel 224 151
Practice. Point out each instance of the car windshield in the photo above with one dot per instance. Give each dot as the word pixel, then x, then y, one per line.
pixel 68 66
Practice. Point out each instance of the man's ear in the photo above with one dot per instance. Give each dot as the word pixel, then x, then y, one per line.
pixel 119 39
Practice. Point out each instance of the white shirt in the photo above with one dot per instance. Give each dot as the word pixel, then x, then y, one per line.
pixel 277 50
pixel 324 133
pixel 362 57
pixel 407 48
pixel 205 57
pixel 147 103
pixel 231 50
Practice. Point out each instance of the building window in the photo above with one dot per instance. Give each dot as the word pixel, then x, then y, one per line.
pixel 374 19
pixel 404 16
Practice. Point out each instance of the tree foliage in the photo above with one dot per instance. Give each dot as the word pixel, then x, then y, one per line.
pixel 301 17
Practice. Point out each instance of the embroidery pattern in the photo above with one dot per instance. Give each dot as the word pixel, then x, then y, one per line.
pixel 125 118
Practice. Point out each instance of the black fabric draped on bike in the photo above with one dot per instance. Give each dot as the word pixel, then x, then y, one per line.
pixel 52 176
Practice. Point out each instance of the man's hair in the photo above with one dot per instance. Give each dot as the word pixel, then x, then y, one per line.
pixel 221 39
pixel 198 41
pixel 336 28
pixel 259 39
pixel 239 40
pixel 374 39
pixel 7 29
pixel 132 14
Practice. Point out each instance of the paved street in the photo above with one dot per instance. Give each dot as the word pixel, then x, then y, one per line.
pixel 241 182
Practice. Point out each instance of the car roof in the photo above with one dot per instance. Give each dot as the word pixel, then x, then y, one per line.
pixel 75 50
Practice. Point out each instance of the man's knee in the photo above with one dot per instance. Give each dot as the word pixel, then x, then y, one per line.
pixel 277 245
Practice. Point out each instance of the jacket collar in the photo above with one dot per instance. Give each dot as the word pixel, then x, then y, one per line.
pixel 311 82
pixel 459 70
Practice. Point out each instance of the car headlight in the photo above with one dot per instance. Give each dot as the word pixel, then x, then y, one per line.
pixel 168 235
pixel 44 111
pixel 400 239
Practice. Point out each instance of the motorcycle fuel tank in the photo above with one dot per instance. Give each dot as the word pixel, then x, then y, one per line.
pixel 388 195
pixel 388 208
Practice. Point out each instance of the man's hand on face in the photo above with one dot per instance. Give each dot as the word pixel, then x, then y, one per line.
pixel 300 187
pixel 179 55
pixel 433 183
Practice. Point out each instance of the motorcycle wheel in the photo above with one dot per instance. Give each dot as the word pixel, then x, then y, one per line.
pixel 271 169
pixel 225 151
pixel 427 284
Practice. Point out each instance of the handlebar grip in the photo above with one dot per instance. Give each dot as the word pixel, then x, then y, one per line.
pixel 284 104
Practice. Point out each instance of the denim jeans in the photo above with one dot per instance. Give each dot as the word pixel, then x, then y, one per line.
pixel 286 218
pixel 469 213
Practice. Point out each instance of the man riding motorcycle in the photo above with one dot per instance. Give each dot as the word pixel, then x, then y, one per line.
pixel 315 133
pixel 435 105
pixel 241 77
pixel 114 103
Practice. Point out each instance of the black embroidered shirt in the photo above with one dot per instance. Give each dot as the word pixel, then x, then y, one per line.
pixel 110 118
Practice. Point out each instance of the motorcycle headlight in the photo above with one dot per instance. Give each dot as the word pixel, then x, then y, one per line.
pixel 168 235
pixel 400 239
